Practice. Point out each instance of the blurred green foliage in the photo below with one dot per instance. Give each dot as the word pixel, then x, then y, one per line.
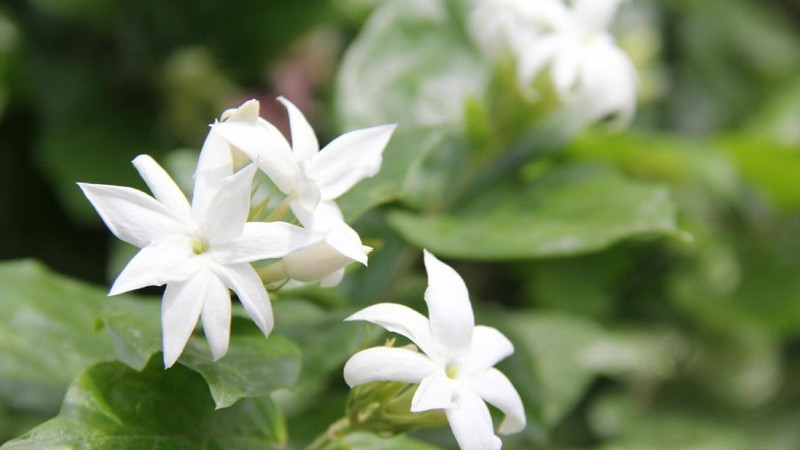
pixel 650 279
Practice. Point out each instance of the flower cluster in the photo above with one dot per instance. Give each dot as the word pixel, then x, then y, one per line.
pixel 586 68
pixel 455 369
pixel 203 248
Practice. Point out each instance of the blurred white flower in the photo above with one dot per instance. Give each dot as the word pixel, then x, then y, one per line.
pixel 312 179
pixel 199 251
pixel 456 371
pixel 586 67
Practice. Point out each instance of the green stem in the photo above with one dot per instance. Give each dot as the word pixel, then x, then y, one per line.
pixel 279 212
pixel 336 431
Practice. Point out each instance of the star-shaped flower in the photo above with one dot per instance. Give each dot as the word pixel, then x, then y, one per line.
pixel 455 370
pixel 308 175
pixel 199 250
pixel 585 65
pixel 312 179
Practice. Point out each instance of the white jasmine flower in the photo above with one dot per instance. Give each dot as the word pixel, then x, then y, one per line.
pixel 199 251
pixel 308 176
pixel 586 67
pixel 455 370
pixel 312 179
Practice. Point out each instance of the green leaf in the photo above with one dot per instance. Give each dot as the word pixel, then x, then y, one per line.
pixel 412 64
pixel 770 165
pixel 112 406
pixel 135 330
pixel 574 210
pixel 662 157
pixel 14 422
pixel 47 334
pixel 403 175
pixel 564 354
pixel 254 365
pixel 327 343
pixel 370 441
pixel 778 117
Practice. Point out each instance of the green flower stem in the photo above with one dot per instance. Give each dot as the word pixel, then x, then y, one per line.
pixel 336 431
pixel 279 212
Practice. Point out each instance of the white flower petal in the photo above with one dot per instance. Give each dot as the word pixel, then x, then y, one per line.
pixel 244 281
pixel 401 320
pixel 471 423
pixel 537 55
pixel 489 346
pixel 264 240
pixel 132 215
pixel 216 317
pixel 595 15
pixel 340 247
pixel 609 83
pixel 305 191
pixel 497 390
pixel 247 112
pixel 326 215
pixel 266 146
pixel 349 159
pixel 332 280
pixel 449 307
pixel 566 67
pixel 387 364
pixel 214 165
pixel 227 212
pixel 180 309
pixel 304 141
pixel 162 262
pixel 163 187
pixel 434 392
pixel 314 262
pixel 346 241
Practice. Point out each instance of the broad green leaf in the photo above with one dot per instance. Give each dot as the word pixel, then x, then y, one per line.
pixel 574 210
pixel 47 334
pixel 411 64
pixel 253 367
pixel 403 174
pixel 327 342
pixel 770 165
pixel 563 354
pixel 663 157
pixel 135 330
pixel 14 422
pixel 111 406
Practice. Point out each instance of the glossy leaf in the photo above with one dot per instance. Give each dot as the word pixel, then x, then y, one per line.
pixel 111 406
pixel 411 64
pixel 403 176
pixel 47 334
pixel 254 365
pixel 574 210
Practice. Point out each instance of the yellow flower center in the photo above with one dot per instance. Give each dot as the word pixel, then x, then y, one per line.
pixel 452 371
pixel 199 246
